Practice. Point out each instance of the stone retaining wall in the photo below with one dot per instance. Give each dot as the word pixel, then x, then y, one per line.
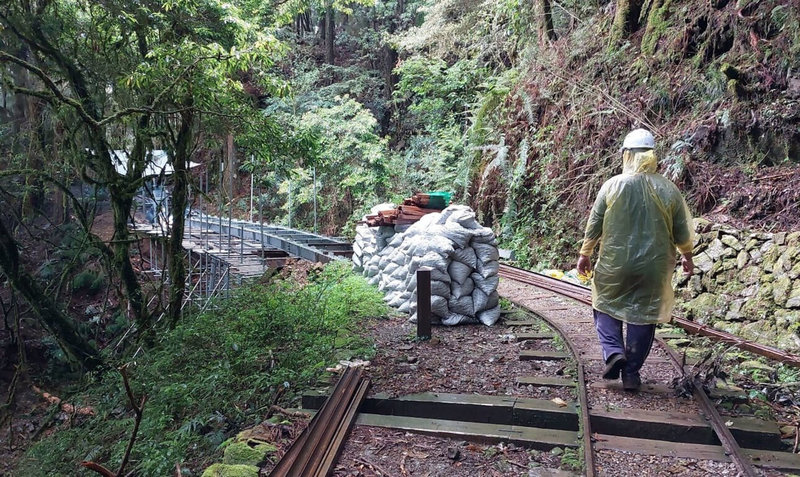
pixel 745 283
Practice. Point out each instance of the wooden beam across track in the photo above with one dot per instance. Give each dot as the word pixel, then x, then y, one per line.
pixel 500 410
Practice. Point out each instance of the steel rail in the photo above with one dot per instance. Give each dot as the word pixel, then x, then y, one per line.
pixel 315 451
pixel 578 293
pixel 732 449
pixel 584 295
pixel 583 401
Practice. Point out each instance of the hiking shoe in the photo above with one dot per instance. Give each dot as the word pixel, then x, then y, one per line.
pixel 631 382
pixel 614 366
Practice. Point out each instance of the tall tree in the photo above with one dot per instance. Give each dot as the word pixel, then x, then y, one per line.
pixel 137 75
pixel 626 19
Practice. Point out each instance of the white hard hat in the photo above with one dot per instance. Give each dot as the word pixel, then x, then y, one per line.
pixel 639 139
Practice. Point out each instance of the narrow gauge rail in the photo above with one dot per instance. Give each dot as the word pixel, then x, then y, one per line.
pixel 583 295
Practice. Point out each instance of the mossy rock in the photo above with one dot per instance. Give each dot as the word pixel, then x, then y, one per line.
pixel 752 244
pixel 795 271
pixel 761 331
pixel 742 259
pixel 732 242
pixel 703 307
pixel 787 319
pixel 231 470
pixel 793 239
pixel 756 308
pixel 793 300
pixel 750 275
pixel 781 289
pixel 784 262
pixel 242 453
pixel 704 262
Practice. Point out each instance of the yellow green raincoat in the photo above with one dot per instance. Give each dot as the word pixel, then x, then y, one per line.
pixel 639 218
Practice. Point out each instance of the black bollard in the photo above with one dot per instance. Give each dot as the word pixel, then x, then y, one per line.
pixel 424 303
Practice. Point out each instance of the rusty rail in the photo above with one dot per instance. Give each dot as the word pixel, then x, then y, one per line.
pixel 727 440
pixel 584 295
pixel 586 425
pixel 314 453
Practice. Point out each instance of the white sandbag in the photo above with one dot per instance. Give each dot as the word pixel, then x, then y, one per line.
pixel 373 280
pixel 482 235
pixel 457 319
pixel 371 271
pixel 485 252
pixel 488 269
pixel 411 283
pixel 441 276
pixel 489 317
pixel 357 248
pixel 487 285
pixel 439 306
pixel 466 256
pixel 479 300
pixel 439 288
pixel 457 234
pixel 459 271
pixel 422 224
pixel 457 290
pixel 430 259
pixel 461 305
pixel 396 301
pixel 391 268
pixel 494 300
pixel 404 307
pixel 425 243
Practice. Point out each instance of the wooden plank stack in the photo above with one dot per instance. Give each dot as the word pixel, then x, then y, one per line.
pixel 410 211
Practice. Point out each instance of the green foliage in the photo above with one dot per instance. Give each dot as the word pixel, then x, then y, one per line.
pixel 572 459
pixel 216 373
pixel 89 281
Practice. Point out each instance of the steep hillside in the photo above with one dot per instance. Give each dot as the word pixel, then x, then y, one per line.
pixel 716 82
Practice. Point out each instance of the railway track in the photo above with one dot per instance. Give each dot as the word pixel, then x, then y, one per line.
pixel 599 436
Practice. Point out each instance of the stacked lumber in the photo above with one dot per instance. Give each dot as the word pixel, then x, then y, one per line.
pixel 412 209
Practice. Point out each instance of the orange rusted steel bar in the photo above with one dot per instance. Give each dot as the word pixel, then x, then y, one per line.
pixel 305 455
pixel 732 449
pixel 583 295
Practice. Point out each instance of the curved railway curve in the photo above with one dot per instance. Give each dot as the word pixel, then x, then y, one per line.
pixel 616 423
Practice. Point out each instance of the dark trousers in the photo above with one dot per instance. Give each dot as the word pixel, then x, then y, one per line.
pixel 635 347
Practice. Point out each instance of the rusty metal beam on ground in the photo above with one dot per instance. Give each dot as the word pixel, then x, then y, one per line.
pixel 729 443
pixel 319 445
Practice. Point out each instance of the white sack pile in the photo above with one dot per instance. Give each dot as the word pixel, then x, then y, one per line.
pixel 462 254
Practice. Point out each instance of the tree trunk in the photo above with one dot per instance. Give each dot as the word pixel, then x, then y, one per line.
pixel 175 257
pixel 52 318
pixel 230 167
pixel 547 32
pixel 330 27
pixel 626 19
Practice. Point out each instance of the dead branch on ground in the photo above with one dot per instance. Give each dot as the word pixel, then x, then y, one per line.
pixel 138 411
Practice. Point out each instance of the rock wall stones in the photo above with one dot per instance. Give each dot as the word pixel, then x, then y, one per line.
pixel 745 283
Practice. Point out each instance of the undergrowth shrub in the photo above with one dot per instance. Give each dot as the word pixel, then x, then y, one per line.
pixel 214 374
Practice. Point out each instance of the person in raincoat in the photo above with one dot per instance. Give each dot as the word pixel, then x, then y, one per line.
pixel 639 219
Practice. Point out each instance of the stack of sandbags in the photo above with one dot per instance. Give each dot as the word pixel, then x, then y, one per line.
pixel 462 254
pixel 368 242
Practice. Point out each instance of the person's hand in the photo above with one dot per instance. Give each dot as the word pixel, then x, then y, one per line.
pixel 584 265
pixel 687 263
